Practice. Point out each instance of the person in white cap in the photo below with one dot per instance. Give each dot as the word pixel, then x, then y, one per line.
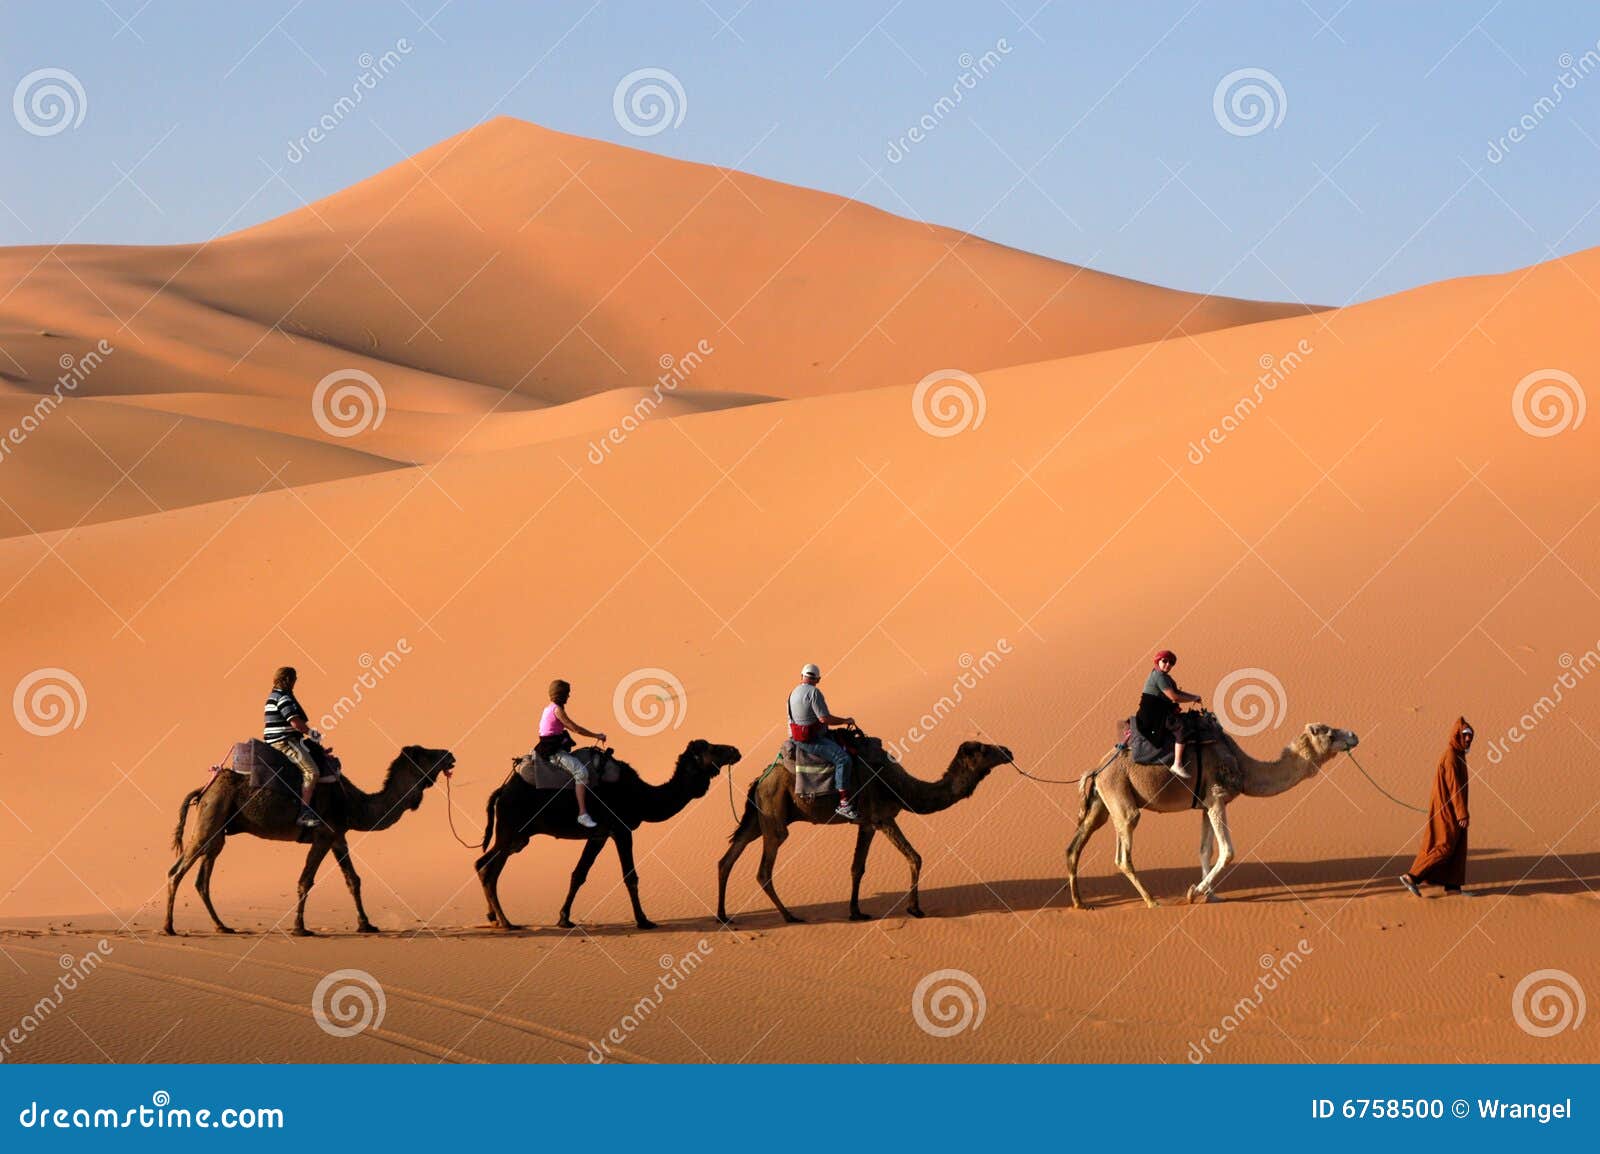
pixel 809 719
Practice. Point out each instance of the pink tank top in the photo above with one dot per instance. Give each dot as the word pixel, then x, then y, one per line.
pixel 549 723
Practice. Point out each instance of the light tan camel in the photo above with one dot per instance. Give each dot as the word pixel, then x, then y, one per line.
pixel 1122 789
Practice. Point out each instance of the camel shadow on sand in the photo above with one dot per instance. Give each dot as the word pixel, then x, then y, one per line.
pixel 1489 871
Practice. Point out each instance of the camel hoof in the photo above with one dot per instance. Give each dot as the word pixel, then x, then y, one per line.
pixel 645 924
pixel 169 931
pixel 858 916
pixel 301 932
pixel 793 919
pixel 368 928
pixel 724 919
pixel 1152 904
pixel 915 911
pixel 226 930
pixel 567 923
pixel 1200 897
pixel 509 926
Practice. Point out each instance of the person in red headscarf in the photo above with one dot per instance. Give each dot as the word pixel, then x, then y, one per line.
pixel 1161 717
pixel 1442 860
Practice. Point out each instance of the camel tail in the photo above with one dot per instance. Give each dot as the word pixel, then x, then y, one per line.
pixel 183 817
pixel 488 828
pixel 1087 786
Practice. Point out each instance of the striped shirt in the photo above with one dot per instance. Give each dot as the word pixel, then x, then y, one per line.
pixel 282 708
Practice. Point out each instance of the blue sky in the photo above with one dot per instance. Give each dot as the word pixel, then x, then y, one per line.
pixel 1093 137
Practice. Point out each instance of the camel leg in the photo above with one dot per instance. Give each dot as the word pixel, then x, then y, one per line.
pixel 488 867
pixel 1208 850
pixel 898 839
pixel 580 874
pixel 202 883
pixel 341 854
pixel 1218 815
pixel 1094 816
pixel 749 829
pixel 1126 824
pixel 773 836
pixel 308 876
pixel 858 867
pixel 630 876
pixel 186 859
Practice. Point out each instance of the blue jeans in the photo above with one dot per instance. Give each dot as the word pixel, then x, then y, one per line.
pixel 831 751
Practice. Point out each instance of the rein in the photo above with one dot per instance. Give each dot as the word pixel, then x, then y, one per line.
pixel 450 814
pixel 1110 757
pixel 1380 789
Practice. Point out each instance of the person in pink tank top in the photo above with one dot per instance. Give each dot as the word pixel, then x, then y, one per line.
pixel 555 745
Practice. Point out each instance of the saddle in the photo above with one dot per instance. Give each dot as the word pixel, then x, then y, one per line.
pixel 268 769
pixel 1207 731
pixel 542 774
pixel 813 776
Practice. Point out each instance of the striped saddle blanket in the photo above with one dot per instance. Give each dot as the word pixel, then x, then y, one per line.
pixel 813 776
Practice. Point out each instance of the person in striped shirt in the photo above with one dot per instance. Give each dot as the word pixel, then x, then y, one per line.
pixel 287 731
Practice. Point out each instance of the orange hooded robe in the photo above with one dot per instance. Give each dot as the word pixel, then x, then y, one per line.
pixel 1442 860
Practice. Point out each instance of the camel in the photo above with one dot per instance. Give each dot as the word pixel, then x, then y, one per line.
pixel 518 813
pixel 1122 789
pixel 772 806
pixel 229 804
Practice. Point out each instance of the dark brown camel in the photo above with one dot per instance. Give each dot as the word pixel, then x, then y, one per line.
pixel 518 813
pixel 230 805
pixel 771 807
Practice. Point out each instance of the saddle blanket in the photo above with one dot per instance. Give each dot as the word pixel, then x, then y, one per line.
pixel 265 766
pixel 1146 752
pixel 542 774
pixel 813 776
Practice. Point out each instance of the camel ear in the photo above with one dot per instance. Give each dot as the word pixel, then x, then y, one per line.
pixel 699 746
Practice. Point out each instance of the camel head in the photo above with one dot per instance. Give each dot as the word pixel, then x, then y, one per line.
pixel 1320 744
pixel 426 765
pixel 979 757
pixel 703 760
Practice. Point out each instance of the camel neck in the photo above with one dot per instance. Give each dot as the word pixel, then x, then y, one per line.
pixel 377 811
pixel 1269 778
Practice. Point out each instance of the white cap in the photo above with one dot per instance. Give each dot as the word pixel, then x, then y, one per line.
pixel 810 670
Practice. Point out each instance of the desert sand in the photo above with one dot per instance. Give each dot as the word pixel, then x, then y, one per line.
pixel 1377 532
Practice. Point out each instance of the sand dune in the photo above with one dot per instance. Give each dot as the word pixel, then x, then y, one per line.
pixel 1376 534
pixel 512 268
pixel 1379 517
